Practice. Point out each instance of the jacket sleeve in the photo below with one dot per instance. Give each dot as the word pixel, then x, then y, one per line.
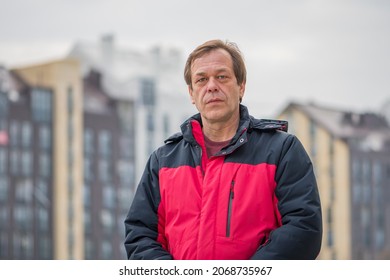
pixel 141 223
pixel 300 235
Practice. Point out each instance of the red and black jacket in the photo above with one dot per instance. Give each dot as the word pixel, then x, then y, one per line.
pixel 256 199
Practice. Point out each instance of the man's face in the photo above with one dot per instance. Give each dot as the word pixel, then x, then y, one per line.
pixel 215 91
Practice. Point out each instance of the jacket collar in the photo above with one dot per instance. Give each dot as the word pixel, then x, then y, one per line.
pixel 247 123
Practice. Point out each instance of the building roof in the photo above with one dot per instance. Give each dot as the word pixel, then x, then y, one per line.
pixel 371 129
pixel 12 84
pixel 122 68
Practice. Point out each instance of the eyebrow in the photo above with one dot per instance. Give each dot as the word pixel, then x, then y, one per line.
pixel 218 71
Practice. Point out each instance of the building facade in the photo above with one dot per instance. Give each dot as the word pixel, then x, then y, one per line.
pixel 27 183
pixel 153 78
pixel 67 160
pixel 109 177
pixel 351 157
pixel 26 149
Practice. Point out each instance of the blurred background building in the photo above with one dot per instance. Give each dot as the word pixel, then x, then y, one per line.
pixel 351 155
pixel 75 134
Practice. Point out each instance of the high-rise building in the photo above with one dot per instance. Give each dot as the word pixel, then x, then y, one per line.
pixel 351 156
pixel 109 160
pixel 41 163
pixel 153 78
pixel 26 211
pixel 67 157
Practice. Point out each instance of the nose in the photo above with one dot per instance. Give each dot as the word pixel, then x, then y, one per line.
pixel 212 85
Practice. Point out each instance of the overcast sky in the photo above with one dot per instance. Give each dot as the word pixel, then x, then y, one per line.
pixel 332 52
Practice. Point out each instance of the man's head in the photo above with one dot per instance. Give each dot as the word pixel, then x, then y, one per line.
pixel 216 76
pixel 235 53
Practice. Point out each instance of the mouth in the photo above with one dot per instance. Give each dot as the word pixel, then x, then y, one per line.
pixel 214 100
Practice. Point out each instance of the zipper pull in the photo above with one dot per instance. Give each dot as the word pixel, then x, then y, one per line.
pixel 232 190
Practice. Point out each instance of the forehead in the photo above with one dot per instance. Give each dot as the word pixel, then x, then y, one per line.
pixel 218 59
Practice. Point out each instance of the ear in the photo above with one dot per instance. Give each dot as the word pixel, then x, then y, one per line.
pixel 242 90
pixel 190 91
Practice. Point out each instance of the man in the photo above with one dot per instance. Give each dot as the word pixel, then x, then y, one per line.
pixel 229 186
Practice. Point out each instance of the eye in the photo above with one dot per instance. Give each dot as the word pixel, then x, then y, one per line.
pixel 200 80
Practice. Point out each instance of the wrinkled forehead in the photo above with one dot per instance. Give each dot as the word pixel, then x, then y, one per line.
pixel 216 60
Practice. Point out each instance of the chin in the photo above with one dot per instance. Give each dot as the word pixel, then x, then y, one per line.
pixel 215 116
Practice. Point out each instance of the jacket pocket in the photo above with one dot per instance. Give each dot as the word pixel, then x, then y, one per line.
pixel 230 206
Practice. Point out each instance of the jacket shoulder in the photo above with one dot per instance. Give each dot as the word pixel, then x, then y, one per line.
pixel 174 138
pixel 269 124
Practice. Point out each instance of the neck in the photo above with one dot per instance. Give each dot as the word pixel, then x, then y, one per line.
pixel 220 131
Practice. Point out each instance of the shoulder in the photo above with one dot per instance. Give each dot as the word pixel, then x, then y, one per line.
pixel 268 124
pixel 171 146
pixel 174 138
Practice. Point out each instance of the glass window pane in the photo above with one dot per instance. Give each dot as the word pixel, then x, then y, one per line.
pixel 3 104
pixel 27 135
pixel 44 137
pixel 3 161
pixel 4 189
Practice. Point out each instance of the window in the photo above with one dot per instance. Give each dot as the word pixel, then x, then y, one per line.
pixel 126 148
pixel 41 104
pixel 24 191
pixel 4 216
pixel 41 193
pixel 43 219
pixel 23 246
pixel 44 165
pixel 356 180
pixel 89 249
pixel 22 217
pixel 14 157
pixel 44 137
pixel 150 132
pixel 3 189
pixel 366 173
pixel 104 171
pixel 88 141
pixel 44 247
pixel 87 195
pixel 125 197
pixel 106 250
pixel 26 133
pixel 3 245
pixel 125 170
pixel 109 197
pixel 87 221
pixel 330 240
pixel 3 105
pixel 70 100
pixel 148 92
pixel 107 220
pixel 329 214
pixel 150 122
pixel 3 161
pixel 105 143
pixel 88 170
pixel 14 133
pixel 26 161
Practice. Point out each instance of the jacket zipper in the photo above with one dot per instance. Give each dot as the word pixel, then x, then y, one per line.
pixel 200 157
pixel 229 214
